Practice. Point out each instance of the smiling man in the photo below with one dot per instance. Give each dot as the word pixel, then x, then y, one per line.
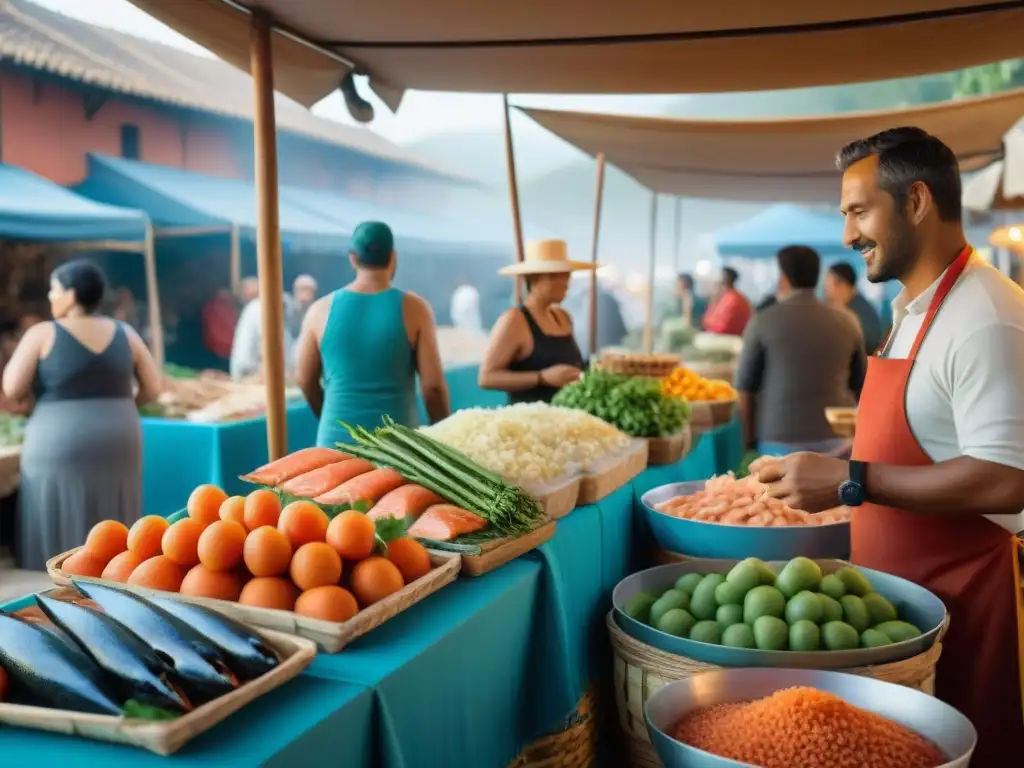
pixel 937 476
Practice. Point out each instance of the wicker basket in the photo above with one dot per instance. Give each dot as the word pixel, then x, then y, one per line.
pixel 575 746
pixel 656 366
pixel 640 671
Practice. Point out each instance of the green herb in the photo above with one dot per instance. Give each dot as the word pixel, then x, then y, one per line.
pixel 387 530
pixel 634 404
pixel 139 711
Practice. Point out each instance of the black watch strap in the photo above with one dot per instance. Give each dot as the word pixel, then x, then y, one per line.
pixel 853 492
pixel 858 473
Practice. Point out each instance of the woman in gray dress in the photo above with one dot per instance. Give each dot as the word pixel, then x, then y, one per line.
pixel 81 459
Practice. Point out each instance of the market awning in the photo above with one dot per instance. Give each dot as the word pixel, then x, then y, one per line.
pixel 1000 186
pixel 761 236
pixel 790 159
pixel 175 198
pixel 33 208
pixel 577 46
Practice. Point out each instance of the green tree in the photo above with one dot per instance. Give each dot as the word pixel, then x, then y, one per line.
pixel 990 78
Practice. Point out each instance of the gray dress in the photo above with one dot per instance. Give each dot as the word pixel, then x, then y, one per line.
pixel 81 459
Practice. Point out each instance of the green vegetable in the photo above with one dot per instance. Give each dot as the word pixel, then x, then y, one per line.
pixel 633 404
pixel 139 711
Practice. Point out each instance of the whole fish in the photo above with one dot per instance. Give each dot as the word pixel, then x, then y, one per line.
pixel 134 667
pixel 42 666
pixel 247 652
pixel 196 662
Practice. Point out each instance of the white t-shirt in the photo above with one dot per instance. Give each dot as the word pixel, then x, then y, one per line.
pixel 966 391
pixel 465 309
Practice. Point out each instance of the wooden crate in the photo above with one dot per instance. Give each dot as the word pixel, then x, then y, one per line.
pixel 495 554
pixel 669 450
pixel 557 498
pixel 608 475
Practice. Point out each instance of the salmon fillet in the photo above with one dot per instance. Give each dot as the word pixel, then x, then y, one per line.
pixel 406 501
pixel 293 465
pixel 369 487
pixel 324 479
pixel 443 522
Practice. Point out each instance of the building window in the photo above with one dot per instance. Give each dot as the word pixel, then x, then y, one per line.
pixel 130 141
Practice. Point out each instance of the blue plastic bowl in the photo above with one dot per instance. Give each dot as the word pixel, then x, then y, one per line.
pixel 735 542
pixel 913 603
pixel 949 730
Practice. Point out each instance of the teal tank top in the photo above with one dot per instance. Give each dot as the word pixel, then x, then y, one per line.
pixel 369 369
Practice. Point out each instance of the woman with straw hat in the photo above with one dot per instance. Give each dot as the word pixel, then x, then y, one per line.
pixel 532 352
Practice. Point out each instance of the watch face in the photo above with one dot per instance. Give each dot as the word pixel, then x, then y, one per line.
pixel 851 494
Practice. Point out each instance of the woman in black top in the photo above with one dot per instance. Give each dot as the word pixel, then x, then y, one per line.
pixel 532 353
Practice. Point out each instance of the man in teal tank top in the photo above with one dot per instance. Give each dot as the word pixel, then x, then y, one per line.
pixel 362 347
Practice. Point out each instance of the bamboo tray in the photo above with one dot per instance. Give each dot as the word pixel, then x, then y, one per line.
pixel 842 420
pixel 495 554
pixel 557 498
pixel 330 636
pixel 711 413
pixel 610 474
pixel 165 738
pixel 669 450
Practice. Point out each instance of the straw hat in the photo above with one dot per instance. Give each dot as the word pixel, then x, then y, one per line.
pixel 545 257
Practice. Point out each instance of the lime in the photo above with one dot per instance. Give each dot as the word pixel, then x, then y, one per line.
pixel 639 607
pixel 872 638
pixel 832 610
pixel 804 606
pixel 799 574
pixel 804 635
pixel 676 621
pixel 762 601
pixel 771 633
pixel 727 615
pixel 856 583
pixel 744 576
pixel 832 586
pixel 673 598
pixel 899 631
pixel 688 582
pixel 703 604
pixel 767 574
pixel 855 613
pixel 839 636
pixel 727 593
pixel 738 636
pixel 880 609
pixel 706 632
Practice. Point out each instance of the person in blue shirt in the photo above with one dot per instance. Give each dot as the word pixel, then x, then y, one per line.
pixel 841 292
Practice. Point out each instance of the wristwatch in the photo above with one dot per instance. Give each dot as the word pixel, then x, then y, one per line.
pixel 853 492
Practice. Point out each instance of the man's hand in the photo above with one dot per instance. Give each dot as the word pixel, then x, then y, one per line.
pixel 806 481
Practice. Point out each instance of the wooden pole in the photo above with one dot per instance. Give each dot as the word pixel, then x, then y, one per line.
pixel 236 260
pixel 598 200
pixel 649 324
pixel 268 239
pixel 677 220
pixel 156 318
pixel 513 192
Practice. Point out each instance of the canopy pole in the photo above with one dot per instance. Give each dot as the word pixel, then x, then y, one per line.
pixel 513 192
pixel 598 201
pixel 649 323
pixel 268 236
pixel 236 260
pixel 676 232
pixel 156 321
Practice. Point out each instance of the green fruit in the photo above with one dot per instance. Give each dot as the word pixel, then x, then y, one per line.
pixel 673 598
pixel 744 576
pixel 729 594
pixel 880 609
pixel 800 574
pixel 804 635
pixel 899 631
pixel 872 638
pixel 688 582
pixel 767 574
pixel 771 634
pixel 855 613
pixel 639 607
pixel 854 581
pixel 706 632
pixel 738 636
pixel 832 610
pixel 703 604
pixel 804 606
pixel 839 636
pixel 727 615
pixel 832 586
pixel 763 601
pixel 676 621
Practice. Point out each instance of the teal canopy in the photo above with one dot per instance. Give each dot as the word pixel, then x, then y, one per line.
pixel 762 236
pixel 34 208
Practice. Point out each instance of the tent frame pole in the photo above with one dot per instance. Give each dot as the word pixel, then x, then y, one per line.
pixel 235 264
pixel 598 202
pixel 677 223
pixel 513 192
pixel 649 322
pixel 156 324
pixel 268 234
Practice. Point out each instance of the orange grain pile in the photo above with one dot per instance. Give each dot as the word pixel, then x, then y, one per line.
pixel 805 728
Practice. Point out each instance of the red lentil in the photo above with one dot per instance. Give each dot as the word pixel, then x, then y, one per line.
pixel 805 728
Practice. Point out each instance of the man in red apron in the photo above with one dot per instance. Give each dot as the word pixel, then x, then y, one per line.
pixel 937 471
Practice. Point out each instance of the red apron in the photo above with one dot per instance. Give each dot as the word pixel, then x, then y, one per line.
pixel 968 561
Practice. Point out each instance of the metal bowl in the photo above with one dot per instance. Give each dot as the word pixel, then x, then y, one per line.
pixel 735 542
pixel 913 603
pixel 948 729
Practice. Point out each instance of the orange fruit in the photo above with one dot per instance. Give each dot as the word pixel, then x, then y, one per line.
pixel 204 504
pixel 221 544
pixel 122 566
pixel 261 508
pixel 352 534
pixel 145 535
pixel 267 552
pixel 410 557
pixel 200 581
pixel 180 542
pixel 270 592
pixel 233 508
pixel 303 522
pixel 315 565
pixel 375 578
pixel 83 564
pixel 327 603
pixel 158 572
pixel 106 539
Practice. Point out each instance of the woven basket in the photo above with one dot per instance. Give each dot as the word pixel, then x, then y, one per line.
pixel 655 366
pixel 575 746
pixel 641 670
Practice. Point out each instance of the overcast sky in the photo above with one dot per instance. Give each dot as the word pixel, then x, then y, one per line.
pixel 422 113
